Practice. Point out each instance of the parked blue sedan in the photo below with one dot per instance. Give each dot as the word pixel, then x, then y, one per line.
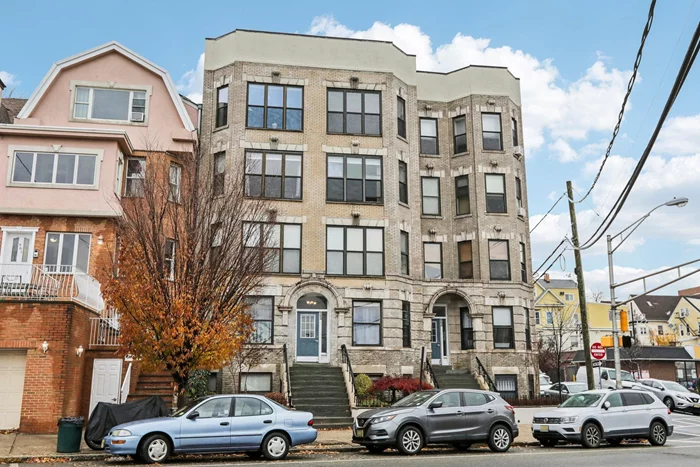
pixel 215 424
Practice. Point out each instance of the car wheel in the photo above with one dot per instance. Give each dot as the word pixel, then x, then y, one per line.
pixel 254 454
pixel 669 403
pixel 410 440
pixel 95 446
pixel 156 448
pixel 275 446
pixel 376 449
pixel 657 434
pixel 591 435
pixel 500 438
pixel 614 441
pixel 462 446
pixel 548 443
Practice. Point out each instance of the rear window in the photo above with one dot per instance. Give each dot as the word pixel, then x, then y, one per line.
pixel 475 398
pixel 633 398
pixel 648 399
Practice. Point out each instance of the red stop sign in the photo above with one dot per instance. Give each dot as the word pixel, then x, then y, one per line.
pixel 597 351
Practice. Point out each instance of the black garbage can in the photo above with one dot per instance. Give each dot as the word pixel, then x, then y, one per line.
pixel 70 430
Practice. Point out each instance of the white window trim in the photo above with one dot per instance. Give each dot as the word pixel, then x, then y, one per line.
pixel 127 177
pixel 57 149
pixel 178 184
pixel 60 249
pixel 120 173
pixel 148 89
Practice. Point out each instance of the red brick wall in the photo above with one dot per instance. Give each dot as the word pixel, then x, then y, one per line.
pixel 665 370
pixel 53 380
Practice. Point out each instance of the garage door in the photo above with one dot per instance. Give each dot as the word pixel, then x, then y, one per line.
pixel 12 365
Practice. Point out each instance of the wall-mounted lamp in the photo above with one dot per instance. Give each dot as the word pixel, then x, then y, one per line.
pixel 79 351
pixel 100 239
pixel 45 346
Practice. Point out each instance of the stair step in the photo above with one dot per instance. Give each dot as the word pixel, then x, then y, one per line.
pixel 319 390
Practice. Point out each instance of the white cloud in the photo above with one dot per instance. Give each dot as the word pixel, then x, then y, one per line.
pixel 191 83
pixel 563 151
pixel 568 111
pixel 9 79
pixel 680 135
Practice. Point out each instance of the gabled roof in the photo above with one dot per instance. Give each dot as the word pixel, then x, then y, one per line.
pixel 557 284
pixel 101 50
pixel 537 301
pixel 657 307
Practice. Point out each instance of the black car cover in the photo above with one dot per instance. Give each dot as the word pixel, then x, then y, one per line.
pixel 106 416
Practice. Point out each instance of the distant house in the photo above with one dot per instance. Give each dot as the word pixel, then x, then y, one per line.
pixel 9 107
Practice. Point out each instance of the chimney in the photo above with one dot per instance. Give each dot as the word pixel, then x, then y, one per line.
pixel 546 277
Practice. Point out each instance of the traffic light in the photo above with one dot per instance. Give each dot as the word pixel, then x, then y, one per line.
pixel 624 321
pixel 626 342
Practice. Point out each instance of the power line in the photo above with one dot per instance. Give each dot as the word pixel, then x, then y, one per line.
pixel 552 263
pixel 550 255
pixel 548 212
pixel 630 85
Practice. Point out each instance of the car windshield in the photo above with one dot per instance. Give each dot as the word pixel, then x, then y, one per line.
pixel 675 387
pixel 582 400
pixel 185 409
pixel 574 388
pixel 624 375
pixel 415 399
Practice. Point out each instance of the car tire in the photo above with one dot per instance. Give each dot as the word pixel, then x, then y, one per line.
pixel 591 436
pixel 95 446
pixel 614 441
pixel 658 434
pixel 376 449
pixel 410 440
pixel 275 446
pixel 670 404
pixel 462 446
pixel 155 449
pixel 548 443
pixel 500 438
pixel 254 454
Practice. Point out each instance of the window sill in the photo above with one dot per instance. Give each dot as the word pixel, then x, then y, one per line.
pixel 402 138
pixel 491 279
pixel 220 128
pixel 501 214
pixel 461 154
pixel 273 129
pixel 431 216
pixel 360 203
pixel 512 349
pixel 270 199
pixel 494 151
pixel 349 276
pixel 103 121
pixel 57 186
pixel 463 216
pixel 353 134
pixel 435 156
pixel 283 274
pixel 401 203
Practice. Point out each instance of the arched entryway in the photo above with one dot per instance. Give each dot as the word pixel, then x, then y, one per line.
pixel 452 328
pixel 313 328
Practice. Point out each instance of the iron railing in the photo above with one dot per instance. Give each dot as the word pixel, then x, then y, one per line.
pixel 286 375
pixel 348 369
pixel 104 330
pixel 481 370
pixel 126 385
pixel 432 374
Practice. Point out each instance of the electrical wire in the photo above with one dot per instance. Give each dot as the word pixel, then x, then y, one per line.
pixel 550 255
pixel 548 212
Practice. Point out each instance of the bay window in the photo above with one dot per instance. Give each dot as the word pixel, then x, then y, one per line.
pixel 275 107
pixel 277 245
pixel 273 175
pixel 503 333
pixel 356 179
pixel 499 260
pixel 354 112
pixel 354 251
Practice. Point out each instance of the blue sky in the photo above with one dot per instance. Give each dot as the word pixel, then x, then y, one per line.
pixel 574 62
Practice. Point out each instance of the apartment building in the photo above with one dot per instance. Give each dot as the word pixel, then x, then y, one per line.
pixel 399 197
pixel 78 148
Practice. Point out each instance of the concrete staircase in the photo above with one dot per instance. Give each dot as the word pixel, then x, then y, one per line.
pixel 448 378
pixel 153 384
pixel 320 389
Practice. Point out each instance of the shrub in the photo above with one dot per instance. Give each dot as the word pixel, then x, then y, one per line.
pixel 398 387
pixel 197 384
pixel 362 384
pixel 277 397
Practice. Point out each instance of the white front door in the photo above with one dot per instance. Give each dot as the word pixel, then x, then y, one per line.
pixel 439 345
pixel 106 381
pixel 17 257
pixel 12 366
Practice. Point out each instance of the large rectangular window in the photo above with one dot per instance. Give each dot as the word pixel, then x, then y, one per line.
pixel 406 323
pixel 170 258
pixel 519 195
pixel 459 125
pixel 496 193
pixel 403 182
pixel 401 116
pixel 523 263
pixel 67 252
pixel 366 323
pixel 255 383
pixel 514 129
pixel 499 260
pixel 354 251
pixel 507 385
pixel 503 333
pixel 528 331
pixel 466 264
pixel 219 173
pixel 279 246
pixel 273 175
pixel 467 329
pixel 53 168
pixel 354 112
pixel 175 179
pixel 462 194
pixel 491 132
pixel 222 106
pixel 404 253
pixel 432 260
pixel 428 136
pixel 135 176
pixel 354 179
pixel 261 309
pixel 275 107
pixel 109 104
pixel 431 195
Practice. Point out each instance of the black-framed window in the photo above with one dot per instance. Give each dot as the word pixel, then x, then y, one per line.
pixel 514 129
pixel 169 258
pixel 275 107
pixel 273 175
pixel 459 126
pixel 507 385
pixel 491 132
pixel 499 260
pixel 518 194
pixel 406 323
pixel 280 245
pixel 467 329
pixel 401 116
pixel 528 330
pixel 430 191
pixel 403 182
pixel 466 263
pixel 354 179
pixel 354 251
pixel 523 263
pixel 222 106
pixel 354 112
pixel 219 173
pixel 462 194
pixel 432 260
pixel 496 193
pixel 262 311
pixel 537 318
pixel 428 136
pixel 531 386
pixel 366 323
pixel 405 253
pixel 503 332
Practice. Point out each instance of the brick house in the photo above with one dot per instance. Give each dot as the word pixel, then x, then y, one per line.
pixel 80 143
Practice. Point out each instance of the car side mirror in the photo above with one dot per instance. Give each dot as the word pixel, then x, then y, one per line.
pixel 193 415
pixel 564 391
pixel 435 405
pixel 662 389
pixel 606 405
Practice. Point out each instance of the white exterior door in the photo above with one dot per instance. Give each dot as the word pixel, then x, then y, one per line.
pixel 106 381
pixel 17 257
pixel 12 366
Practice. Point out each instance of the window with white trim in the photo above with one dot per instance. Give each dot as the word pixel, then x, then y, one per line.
pixel 66 253
pixel 256 382
pixel 121 105
pixel 135 176
pixel 261 309
pixel 175 178
pixel 169 258
pixel 54 168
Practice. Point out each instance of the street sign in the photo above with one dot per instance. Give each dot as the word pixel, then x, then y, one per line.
pixel 596 364
pixel 597 351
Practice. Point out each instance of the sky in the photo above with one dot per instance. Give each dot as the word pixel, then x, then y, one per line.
pixel 573 59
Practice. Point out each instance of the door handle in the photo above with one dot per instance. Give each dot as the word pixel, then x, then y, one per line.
pixel 267 421
pixel 114 399
pixel 490 411
pixel 223 423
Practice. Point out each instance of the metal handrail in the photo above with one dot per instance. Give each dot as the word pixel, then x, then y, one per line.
pixel 286 375
pixel 485 374
pixel 346 360
pixel 432 374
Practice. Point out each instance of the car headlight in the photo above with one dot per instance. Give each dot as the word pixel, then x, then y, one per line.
pixel 685 398
pixel 118 433
pixel 569 419
pixel 384 419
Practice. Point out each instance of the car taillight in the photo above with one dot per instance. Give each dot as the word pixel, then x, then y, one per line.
pixel 510 409
pixel 668 410
pixel 311 422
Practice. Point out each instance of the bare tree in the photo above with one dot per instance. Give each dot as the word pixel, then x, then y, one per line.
pixel 597 296
pixel 561 325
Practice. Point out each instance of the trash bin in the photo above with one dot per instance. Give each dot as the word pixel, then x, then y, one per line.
pixel 70 430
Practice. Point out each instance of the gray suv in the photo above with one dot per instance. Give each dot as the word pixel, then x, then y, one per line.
pixel 453 416
pixel 674 395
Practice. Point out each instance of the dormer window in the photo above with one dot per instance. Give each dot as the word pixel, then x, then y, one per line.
pixel 121 105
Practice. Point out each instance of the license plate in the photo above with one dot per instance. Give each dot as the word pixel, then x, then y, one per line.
pixel 544 428
pixel 360 433
pixel 697 406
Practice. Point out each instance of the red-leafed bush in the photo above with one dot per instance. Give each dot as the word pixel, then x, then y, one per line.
pixel 397 387
pixel 277 397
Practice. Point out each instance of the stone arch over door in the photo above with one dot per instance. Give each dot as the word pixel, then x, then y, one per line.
pixel 448 291
pixel 318 286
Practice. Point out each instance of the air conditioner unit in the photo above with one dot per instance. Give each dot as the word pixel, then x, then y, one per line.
pixel 137 116
pixel 518 152
pixel 521 212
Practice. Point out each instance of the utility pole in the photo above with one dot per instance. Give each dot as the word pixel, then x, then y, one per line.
pixel 613 312
pixel 581 288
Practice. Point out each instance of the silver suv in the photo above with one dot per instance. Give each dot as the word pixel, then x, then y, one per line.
pixel 456 416
pixel 674 395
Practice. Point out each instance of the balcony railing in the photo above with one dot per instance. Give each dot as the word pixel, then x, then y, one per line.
pixel 104 331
